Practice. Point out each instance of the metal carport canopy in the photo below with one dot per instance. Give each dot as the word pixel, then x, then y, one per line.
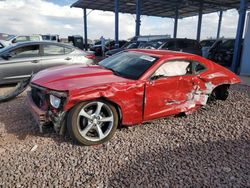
pixel 171 9
pixel 160 8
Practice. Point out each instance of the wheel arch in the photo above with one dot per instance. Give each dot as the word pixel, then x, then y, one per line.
pixel 115 104
pixel 220 92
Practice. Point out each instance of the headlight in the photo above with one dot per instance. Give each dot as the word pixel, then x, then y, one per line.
pixel 54 101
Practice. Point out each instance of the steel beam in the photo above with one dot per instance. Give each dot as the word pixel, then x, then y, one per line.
pixel 176 21
pixel 199 21
pixel 239 34
pixel 116 23
pixel 219 24
pixel 85 29
pixel 138 17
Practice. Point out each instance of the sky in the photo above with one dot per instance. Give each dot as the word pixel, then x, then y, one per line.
pixel 56 17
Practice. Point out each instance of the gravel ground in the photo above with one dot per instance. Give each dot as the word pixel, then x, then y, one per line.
pixel 209 148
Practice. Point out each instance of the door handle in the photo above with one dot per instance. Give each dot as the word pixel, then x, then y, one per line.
pixel 34 61
pixel 67 58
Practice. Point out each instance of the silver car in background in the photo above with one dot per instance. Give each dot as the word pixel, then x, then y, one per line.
pixel 18 62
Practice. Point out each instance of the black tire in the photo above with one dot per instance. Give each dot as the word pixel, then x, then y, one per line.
pixel 74 133
pixel 17 90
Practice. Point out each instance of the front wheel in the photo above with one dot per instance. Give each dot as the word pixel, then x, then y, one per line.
pixel 92 122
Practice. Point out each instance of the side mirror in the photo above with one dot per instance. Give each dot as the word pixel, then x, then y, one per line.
pixel 6 56
pixel 155 77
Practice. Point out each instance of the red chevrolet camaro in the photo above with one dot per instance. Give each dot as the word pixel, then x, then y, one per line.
pixel 129 88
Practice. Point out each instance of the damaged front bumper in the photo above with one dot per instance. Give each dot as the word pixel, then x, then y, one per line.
pixel 45 117
pixel 39 115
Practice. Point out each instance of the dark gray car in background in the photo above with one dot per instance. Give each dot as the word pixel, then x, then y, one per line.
pixel 18 62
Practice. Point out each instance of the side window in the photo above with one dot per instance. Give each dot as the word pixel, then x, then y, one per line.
pixel 174 68
pixel 53 50
pixel 26 51
pixel 198 68
pixel 68 50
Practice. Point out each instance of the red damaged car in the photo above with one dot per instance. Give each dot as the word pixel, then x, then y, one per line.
pixel 129 88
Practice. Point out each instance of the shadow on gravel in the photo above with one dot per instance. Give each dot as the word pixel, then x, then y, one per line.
pixel 221 163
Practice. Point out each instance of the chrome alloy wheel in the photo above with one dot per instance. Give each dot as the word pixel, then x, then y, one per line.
pixel 95 121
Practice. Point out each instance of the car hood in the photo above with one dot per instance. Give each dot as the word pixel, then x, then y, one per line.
pixel 73 77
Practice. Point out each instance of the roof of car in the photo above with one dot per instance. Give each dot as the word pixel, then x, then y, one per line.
pixel 161 53
pixel 39 42
pixel 27 43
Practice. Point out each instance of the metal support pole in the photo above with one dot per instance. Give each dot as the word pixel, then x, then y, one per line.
pixel 116 23
pixel 219 24
pixel 85 29
pixel 176 21
pixel 138 17
pixel 199 21
pixel 238 40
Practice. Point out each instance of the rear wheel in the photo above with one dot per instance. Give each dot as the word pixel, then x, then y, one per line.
pixel 92 122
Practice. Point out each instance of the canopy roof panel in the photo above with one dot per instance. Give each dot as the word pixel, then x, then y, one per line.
pixel 160 8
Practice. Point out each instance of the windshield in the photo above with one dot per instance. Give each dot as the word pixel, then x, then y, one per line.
pixel 130 65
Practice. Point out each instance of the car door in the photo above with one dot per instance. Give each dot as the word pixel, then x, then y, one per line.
pixel 163 95
pixel 192 89
pixel 54 55
pixel 21 63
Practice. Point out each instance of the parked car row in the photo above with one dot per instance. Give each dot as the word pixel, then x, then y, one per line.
pixel 180 44
pixel 109 45
pixel 221 51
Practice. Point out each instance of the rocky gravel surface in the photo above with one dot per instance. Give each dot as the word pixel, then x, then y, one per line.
pixel 209 148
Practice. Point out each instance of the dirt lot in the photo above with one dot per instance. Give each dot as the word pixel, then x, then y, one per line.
pixel 210 148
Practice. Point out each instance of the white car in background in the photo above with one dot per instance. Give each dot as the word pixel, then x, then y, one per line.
pixel 22 38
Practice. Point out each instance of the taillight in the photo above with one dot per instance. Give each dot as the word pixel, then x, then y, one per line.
pixel 90 56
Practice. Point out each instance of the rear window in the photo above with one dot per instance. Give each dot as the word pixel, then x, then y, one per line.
pixel 198 68
pixel 68 50
pixel 53 50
